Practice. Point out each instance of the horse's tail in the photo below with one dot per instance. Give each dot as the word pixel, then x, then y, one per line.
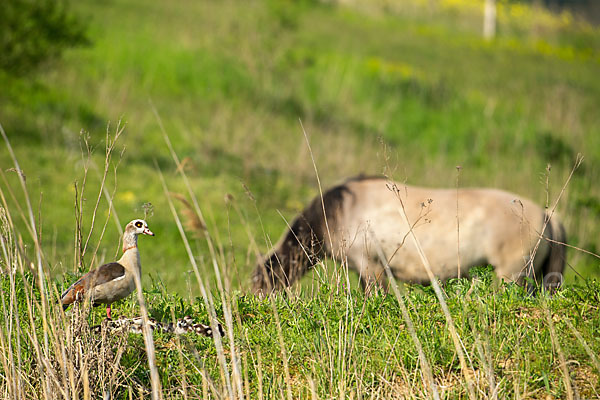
pixel 554 264
pixel 302 246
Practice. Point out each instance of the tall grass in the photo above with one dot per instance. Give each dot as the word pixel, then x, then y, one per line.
pixel 230 93
pixel 330 341
pixel 412 93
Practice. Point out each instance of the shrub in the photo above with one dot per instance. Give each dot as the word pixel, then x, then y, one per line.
pixel 36 31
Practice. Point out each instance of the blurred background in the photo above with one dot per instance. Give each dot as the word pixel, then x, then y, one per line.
pixel 411 89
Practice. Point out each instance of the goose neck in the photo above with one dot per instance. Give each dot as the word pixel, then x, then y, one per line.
pixel 129 241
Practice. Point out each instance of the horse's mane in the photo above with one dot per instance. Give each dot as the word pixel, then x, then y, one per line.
pixel 306 240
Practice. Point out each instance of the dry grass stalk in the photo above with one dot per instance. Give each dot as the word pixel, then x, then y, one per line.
pixel 67 360
pixel 206 295
pixel 35 237
pixel 561 356
pixel 438 291
pixel 458 169
pixel 193 223
pixel 109 149
pixel 236 375
pixel 583 343
pixel 284 357
pixel 425 367
pixel 576 165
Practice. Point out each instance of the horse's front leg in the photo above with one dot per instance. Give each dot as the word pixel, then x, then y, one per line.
pixel 373 277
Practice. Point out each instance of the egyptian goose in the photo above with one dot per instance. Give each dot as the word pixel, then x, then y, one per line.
pixel 113 281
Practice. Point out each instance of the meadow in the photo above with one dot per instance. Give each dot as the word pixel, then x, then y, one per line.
pixel 226 96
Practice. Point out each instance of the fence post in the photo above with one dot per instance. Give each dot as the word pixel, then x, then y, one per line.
pixel 489 19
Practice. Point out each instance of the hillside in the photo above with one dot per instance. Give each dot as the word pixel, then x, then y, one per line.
pixel 410 93
pixel 227 96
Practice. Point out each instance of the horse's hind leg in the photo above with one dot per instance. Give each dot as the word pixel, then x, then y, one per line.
pixel 519 271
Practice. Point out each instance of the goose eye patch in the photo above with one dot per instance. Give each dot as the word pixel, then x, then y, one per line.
pixel 138 224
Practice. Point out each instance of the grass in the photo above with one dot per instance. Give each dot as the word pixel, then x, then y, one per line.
pixel 230 94
pixel 411 92
pixel 340 343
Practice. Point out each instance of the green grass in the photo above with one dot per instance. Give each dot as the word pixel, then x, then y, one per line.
pixel 230 92
pixel 350 345
pixel 410 92
pixel 334 335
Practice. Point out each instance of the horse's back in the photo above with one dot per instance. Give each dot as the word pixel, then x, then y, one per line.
pixel 478 225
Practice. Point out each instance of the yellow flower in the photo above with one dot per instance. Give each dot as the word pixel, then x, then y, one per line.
pixel 128 196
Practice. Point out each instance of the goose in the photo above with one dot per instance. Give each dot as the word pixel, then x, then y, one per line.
pixel 112 281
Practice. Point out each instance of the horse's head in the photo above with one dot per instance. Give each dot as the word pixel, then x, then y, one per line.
pixel 276 271
pixel 301 247
pixel 284 265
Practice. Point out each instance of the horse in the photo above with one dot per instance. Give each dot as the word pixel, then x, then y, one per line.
pixel 366 221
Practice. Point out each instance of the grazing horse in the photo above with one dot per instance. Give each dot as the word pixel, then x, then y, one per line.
pixel 362 220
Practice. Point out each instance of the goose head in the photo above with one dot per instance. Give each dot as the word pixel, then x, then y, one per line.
pixel 138 227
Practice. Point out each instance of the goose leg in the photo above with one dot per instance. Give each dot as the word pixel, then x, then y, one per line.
pixel 108 312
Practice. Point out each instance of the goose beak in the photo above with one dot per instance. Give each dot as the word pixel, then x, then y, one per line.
pixel 148 232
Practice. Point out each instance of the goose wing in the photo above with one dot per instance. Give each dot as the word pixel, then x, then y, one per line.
pixel 103 274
